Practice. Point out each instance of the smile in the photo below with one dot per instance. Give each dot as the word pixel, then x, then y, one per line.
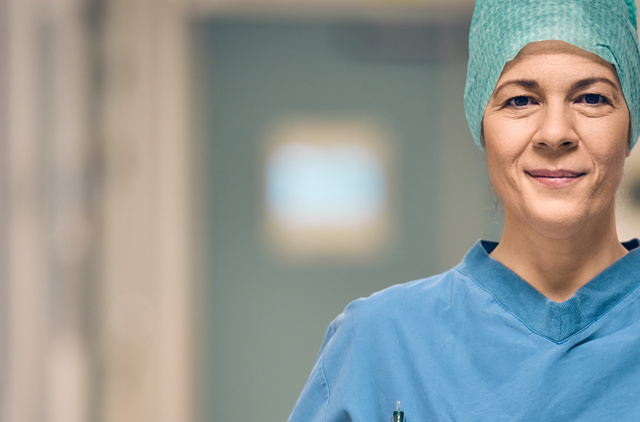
pixel 555 178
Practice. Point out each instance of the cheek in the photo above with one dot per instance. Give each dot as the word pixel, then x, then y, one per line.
pixel 506 141
pixel 500 165
pixel 611 148
pixel 613 167
pixel 503 154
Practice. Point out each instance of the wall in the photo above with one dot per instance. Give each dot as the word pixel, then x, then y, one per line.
pixel 266 313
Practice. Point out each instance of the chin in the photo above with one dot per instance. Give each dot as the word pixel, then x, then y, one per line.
pixel 558 227
pixel 559 219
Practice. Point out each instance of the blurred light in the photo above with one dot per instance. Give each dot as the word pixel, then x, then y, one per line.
pixel 325 186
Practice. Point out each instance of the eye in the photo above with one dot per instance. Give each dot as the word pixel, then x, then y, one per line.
pixel 519 101
pixel 594 99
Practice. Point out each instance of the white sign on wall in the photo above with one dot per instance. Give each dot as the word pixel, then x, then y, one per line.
pixel 327 188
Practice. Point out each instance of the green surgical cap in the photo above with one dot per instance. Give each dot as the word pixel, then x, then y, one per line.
pixel 500 28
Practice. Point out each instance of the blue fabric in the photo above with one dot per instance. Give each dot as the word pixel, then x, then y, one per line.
pixel 477 343
pixel 501 28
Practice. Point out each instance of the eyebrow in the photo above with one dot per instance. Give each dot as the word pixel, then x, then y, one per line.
pixel 525 83
pixel 583 83
pixel 531 84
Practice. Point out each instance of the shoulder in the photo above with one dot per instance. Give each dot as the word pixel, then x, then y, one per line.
pixel 392 328
pixel 399 307
pixel 407 296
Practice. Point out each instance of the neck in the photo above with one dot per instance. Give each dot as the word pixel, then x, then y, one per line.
pixel 557 263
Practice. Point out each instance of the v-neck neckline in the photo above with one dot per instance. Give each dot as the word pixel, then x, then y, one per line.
pixel 557 321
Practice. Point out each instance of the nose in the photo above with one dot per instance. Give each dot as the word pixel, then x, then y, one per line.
pixel 556 129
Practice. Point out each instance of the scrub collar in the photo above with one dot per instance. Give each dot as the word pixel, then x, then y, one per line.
pixel 555 321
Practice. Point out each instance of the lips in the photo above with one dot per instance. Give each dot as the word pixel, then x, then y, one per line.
pixel 555 178
pixel 555 173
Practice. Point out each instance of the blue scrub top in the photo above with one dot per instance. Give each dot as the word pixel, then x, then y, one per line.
pixel 478 343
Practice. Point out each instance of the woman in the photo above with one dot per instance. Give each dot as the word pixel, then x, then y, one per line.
pixel 545 324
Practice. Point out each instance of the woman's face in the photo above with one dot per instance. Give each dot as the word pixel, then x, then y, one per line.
pixel 556 132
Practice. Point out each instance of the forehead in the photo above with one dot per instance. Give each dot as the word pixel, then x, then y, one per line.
pixel 537 54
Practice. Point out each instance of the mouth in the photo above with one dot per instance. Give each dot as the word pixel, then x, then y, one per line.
pixel 555 178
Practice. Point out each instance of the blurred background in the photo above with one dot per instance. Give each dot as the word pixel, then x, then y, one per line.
pixel 191 190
